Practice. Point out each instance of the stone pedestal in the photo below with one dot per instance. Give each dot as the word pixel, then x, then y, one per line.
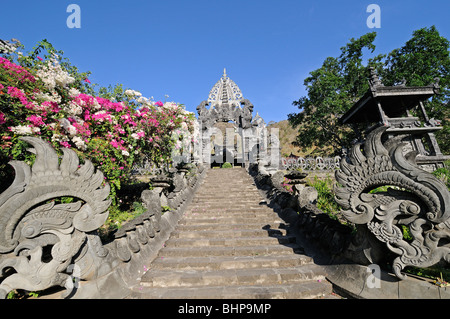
pixel 305 194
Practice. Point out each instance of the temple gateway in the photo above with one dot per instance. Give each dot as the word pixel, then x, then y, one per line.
pixel 230 133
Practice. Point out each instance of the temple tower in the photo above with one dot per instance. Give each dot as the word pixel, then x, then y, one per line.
pixel 229 132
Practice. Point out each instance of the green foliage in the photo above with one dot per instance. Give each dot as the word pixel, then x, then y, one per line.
pixel 380 189
pixel 434 272
pixel 332 90
pixel 43 94
pixel 406 233
pixel 227 165
pixel 23 294
pixel 118 217
pixel 443 174
pixel 420 61
pixel 325 196
pixel 46 52
pixel 165 209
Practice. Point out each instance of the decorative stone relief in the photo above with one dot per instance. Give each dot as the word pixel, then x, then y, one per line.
pixel 44 239
pixel 415 199
pixel 39 236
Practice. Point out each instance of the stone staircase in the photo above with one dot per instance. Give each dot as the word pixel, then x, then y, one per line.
pixel 228 245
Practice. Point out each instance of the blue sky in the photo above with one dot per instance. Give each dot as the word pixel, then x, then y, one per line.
pixel 180 47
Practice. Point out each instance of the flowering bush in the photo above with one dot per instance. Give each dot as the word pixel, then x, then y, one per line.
pixel 47 97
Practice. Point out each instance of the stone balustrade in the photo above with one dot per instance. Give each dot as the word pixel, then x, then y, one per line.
pixel 311 163
pixel 299 210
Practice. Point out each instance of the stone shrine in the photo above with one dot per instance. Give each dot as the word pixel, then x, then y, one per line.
pixel 393 106
pixel 243 138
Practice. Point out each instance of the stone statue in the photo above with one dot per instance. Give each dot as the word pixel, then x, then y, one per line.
pixel 35 228
pixel 247 114
pixel 416 200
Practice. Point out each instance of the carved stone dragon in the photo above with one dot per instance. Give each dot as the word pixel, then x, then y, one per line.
pixel 49 218
pixel 40 237
pixel 416 199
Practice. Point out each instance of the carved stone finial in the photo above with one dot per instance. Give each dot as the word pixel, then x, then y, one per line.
pixel 374 80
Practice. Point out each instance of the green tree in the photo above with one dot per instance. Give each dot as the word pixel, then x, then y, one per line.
pixel 420 61
pixel 340 82
pixel 332 90
pixel 47 52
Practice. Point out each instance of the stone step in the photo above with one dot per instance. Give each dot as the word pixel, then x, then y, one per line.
pixel 235 202
pixel 303 290
pixel 230 212
pixel 222 182
pixel 227 220
pixel 228 242
pixel 225 204
pixel 229 277
pixel 231 233
pixel 250 205
pixel 256 215
pixel 230 186
pixel 244 211
pixel 208 188
pixel 249 191
pixel 231 262
pixel 229 251
pixel 273 226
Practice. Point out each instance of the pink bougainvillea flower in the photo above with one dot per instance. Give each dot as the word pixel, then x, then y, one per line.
pixel 114 144
pixel 36 120
pixel 40 59
pixel 64 144
pixel 87 81
pixel 2 118
pixel 159 103
pixel 16 71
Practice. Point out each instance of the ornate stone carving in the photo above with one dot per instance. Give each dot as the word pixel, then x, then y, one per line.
pixel 39 237
pixel 417 200
pixel 225 99
pixel 225 90
pixel 311 163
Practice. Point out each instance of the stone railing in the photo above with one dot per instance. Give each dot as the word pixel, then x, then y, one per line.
pixel 45 242
pixel 147 167
pixel 299 210
pixel 311 163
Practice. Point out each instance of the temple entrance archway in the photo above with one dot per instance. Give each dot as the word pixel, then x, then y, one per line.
pixel 228 131
pixel 226 144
